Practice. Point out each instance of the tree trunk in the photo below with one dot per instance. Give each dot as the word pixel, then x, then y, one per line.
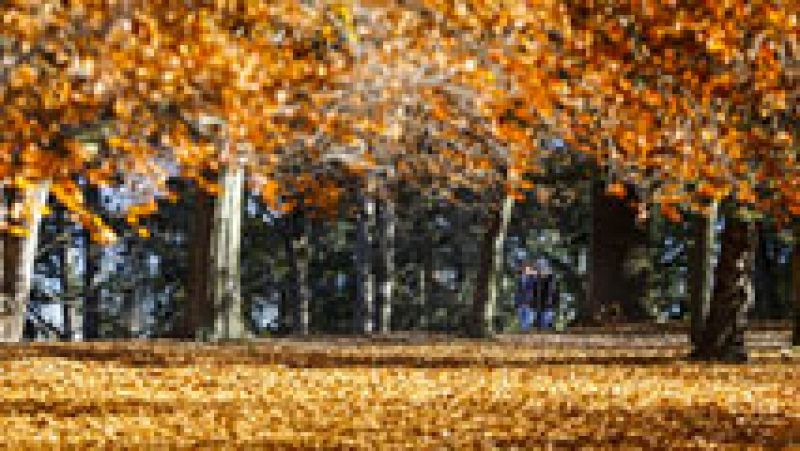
pixel 302 257
pixel 91 295
pixel 426 284
pixel 131 308
pixel 197 311
pixel 701 272
pixel 364 313
pixel 68 275
pixel 490 266
pixel 284 313
pixel 767 304
pixel 615 239
pixel 465 258
pixel 388 225
pixel 69 309
pixel 424 249
pixel 91 292
pixel 131 313
pixel 796 285
pixel 226 242
pixel 19 253
pixel 291 291
pixel 214 307
pixel 723 336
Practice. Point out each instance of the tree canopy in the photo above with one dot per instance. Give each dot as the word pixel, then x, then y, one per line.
pixel 687 103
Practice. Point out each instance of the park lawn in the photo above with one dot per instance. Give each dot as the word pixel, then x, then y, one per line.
pixel 358 394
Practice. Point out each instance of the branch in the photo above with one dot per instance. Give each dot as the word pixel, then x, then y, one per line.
pixel 34 312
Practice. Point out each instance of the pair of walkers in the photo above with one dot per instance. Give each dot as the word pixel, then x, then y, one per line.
pixel 536 297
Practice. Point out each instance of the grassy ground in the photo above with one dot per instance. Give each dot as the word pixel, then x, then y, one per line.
pixel 516 392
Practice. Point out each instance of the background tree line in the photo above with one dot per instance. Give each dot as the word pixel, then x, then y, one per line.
pixel 401 261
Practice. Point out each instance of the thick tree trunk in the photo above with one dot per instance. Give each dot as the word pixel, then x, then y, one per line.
pixel 723 336
pixel 701 273
pixel 214 307
pixel 364 312
pixel 767 305
pixel 615 239
pixel 197 312
pixel 18 254
pixel 388 225
pixel 796 286
pixel 226 242
pixel 490 266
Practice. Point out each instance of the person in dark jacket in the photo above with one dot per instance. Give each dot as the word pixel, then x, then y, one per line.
pixel 545 297
pixel 526 287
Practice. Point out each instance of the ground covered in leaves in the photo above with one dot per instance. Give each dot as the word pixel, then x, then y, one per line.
pixel 516 392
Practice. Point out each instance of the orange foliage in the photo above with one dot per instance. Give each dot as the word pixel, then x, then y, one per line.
pixel 663 94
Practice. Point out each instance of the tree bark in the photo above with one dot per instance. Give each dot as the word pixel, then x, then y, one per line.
pixel 19 253
pixel 302 257
pixel 214 308
pixel 426 281
pixel 364 312
pixel 723 336
pixel 226 242
pixel 490 265
pixel 291 287
pixel 701 273
pixel 91 292
pixel 767 304
pixel 131 313
pixel 131 302
pixel 68 281
pixel 197 306
pixel 69 310
pixel 388 226
pixel 615 239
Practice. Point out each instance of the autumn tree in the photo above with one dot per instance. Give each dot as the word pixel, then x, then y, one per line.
pixel 58 85
pixel 691 105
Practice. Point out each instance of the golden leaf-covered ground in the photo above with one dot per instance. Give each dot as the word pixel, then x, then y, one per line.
pixel 360 394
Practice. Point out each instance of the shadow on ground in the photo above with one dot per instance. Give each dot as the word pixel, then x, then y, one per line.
pixel 520 351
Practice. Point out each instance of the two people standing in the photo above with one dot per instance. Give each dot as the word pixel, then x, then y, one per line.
pixel 536 297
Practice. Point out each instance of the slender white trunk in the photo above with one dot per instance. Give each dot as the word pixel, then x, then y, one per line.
pixel 498 259
pixel 427 266
pixel 365 307
pixel 70 280
pixel 225 255
pixel 19 253
pixel 388 227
